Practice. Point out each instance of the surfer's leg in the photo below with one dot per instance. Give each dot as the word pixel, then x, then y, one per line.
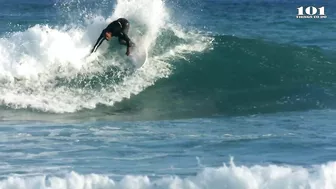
pixel 125 29
pixel 122 42
pixel 124 39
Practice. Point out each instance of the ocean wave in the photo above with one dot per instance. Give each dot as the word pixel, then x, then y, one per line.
pixel 228 176
pixel 188 73
pixel 45 68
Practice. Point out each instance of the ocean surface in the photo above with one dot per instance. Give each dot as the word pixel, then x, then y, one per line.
pixel 234 95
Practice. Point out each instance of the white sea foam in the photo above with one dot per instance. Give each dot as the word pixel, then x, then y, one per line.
pixel 31 60
pixel 225 177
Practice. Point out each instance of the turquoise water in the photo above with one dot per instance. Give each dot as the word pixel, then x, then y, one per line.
pixel 235 94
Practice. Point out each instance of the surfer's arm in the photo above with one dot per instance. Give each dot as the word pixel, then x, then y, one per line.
pixel 98 43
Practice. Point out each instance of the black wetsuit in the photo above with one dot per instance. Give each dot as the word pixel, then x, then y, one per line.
pixel 119 28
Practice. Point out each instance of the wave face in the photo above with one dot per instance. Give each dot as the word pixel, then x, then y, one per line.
pixel 227 176
pixel 243 76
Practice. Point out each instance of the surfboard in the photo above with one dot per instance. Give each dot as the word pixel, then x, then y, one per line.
pixel 138 56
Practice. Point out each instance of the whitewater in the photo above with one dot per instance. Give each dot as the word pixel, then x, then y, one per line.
pixel 223 177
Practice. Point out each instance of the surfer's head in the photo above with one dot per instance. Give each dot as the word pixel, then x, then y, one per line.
pixel 108 35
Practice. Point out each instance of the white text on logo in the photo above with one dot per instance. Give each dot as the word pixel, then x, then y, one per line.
pixel 311 12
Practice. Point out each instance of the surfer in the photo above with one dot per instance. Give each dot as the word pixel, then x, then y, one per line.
pixel 118 28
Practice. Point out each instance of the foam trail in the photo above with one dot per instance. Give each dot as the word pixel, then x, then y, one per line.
pixel 33 62
pixel 225 177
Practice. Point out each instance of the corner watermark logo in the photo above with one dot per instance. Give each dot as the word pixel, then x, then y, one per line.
pixel 311 12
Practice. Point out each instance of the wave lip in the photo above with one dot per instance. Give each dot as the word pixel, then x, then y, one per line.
pixel 225 177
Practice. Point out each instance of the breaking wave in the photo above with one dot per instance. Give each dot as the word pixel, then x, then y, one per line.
pixel 225 177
